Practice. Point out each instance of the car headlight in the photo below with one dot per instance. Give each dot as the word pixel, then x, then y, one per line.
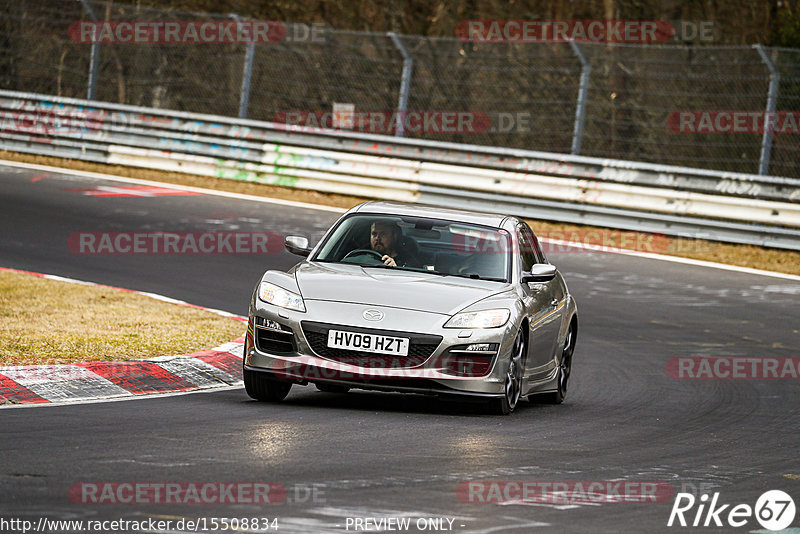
pixel 480 319
pixel 278 296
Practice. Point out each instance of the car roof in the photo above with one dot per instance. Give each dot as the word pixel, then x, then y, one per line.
pixel 431 212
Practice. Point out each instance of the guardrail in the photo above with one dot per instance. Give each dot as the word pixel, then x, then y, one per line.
pixel 677 201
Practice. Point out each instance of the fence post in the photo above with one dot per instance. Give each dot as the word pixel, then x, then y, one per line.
pixel 772 100
pixel 583 92
pixel 405 83
pixel 94 55
pixel 247 73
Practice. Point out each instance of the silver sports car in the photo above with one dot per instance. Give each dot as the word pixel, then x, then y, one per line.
pixel 398 297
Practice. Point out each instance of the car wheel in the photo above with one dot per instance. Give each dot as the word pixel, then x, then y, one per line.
pixel 331 388
pixel 564 368
pixel 261 387
pixel 512 389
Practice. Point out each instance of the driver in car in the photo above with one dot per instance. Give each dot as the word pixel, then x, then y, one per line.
pixel 387 239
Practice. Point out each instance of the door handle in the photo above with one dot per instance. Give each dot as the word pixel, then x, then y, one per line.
pixel 554 303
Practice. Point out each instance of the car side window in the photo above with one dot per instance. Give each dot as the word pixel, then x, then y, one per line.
pixel 529 251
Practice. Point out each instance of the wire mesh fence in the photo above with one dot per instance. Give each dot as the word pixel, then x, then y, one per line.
pixel 518 94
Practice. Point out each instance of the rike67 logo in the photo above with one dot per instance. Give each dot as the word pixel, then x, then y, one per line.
pixel 774 510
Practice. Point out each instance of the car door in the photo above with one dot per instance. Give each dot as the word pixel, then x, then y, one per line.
pixel 545 303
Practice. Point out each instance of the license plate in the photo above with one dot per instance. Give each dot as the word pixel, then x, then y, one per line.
pixel 339 339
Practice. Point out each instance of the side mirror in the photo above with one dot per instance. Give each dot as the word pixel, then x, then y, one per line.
pixel 297 245
pixel 541 272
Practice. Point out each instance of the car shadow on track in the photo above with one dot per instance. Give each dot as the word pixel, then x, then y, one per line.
pixel 370 401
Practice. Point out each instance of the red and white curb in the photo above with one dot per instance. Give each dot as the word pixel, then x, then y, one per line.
pixel 32 384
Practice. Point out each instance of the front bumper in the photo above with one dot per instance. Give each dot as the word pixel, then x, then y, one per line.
pixel 446 369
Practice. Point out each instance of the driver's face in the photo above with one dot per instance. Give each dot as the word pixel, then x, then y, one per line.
pixel 381 238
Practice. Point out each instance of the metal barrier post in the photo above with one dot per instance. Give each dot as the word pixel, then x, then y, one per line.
pixel 405 83
pixel 247 74
pixel 772 99
pixel 583 92
pixel 94 55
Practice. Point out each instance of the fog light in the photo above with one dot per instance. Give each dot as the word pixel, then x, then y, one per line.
pixel 475 347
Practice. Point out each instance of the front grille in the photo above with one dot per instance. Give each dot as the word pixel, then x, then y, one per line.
pixel 420 347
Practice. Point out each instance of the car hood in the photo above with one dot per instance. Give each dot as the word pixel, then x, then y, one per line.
pixel 393 288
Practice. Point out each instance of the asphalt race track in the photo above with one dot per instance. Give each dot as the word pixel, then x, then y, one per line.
pixel 369 455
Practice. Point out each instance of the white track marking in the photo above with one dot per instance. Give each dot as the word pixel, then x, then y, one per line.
pixel 674 259
pixel 660 257
pixel 125 179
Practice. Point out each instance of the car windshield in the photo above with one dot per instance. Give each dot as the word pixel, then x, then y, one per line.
pixel 435 246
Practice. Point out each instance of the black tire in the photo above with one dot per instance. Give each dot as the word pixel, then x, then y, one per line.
pixel 261 387
pixel 564 368
pixel 513 383
pixel 331 388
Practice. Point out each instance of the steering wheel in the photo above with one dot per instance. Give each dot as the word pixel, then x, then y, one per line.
pixel 368 251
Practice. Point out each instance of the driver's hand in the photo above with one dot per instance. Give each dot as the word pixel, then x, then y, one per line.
pixel 388 260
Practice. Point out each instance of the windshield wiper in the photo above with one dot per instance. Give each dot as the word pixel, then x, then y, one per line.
pixel 476 276
pixel 377 266
pixel 472 276
pixel 402 268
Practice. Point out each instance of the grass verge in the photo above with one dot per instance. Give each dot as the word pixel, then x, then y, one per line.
pixel 743 255
pixel 46 321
